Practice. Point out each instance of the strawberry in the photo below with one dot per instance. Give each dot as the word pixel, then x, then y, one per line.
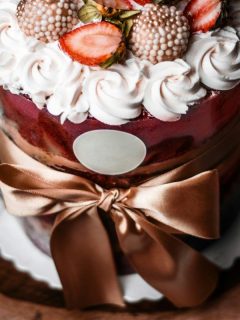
pixel 143 2
pixel 94 44
pixel 116 4
pixel 204 14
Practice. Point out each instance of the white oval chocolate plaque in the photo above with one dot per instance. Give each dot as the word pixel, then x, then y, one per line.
pixel 109 152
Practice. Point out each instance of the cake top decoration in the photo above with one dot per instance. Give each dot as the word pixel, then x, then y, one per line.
pixel 95 44
pixel 159 33
pixel 47 20
pixel 205 15
pixel 63 46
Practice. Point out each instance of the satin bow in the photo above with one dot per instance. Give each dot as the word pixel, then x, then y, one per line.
pixel 149 220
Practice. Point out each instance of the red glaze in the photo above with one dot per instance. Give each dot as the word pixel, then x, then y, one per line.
pixel 164 140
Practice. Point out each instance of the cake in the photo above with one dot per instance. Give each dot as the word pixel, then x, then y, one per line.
pixel 168 87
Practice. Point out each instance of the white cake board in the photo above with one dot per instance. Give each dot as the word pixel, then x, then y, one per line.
pixel 18 248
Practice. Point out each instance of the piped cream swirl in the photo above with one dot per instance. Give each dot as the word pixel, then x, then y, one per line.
pixel 216 58
pixel 114 96
pixel 171 88
pixel 73 106
pixel 40 72
pixel 13 44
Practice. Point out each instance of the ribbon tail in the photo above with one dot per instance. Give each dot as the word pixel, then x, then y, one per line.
pixel 83 258
pixel 176 270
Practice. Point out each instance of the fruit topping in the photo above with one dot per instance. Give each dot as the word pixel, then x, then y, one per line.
pixel 94 12
pixel 159 33
pixel 47 20
pixel 95 44
pixel 204 15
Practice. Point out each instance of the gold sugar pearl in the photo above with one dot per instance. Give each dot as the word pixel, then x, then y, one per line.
pixel 159 33
pixel 47 20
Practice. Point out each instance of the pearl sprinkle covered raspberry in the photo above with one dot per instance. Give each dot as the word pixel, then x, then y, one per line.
pixel 159 33
pixel 47 20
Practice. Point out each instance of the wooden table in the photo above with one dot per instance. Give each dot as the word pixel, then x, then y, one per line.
pixel 22 298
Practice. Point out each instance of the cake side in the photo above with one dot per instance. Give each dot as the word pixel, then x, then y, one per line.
pixel 163 140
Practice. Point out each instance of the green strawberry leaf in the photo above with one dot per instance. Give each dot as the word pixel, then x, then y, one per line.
pixel 128 14
pixel 127 26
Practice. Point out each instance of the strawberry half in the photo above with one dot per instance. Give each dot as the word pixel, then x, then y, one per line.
pixel 203 14
pixel 95 44
pixel 116 4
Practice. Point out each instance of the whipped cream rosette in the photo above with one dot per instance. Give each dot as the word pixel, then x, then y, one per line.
pixel 114 96
pixel 216 58
pixel 70 105
pixel 10 39
pixel 36 70
pixel 172 86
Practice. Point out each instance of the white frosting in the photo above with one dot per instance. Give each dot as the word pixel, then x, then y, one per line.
pixel 39 73
pixel 170 90
pixel 216 58
pixel 114 96
pixel 52 79
pixel 13 44
pixel 71 86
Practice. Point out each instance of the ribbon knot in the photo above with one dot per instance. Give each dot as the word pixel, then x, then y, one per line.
pixel 108 198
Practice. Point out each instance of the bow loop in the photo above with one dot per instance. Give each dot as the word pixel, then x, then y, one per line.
pixel 190 206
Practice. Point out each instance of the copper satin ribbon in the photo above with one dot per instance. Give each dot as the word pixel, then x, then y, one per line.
pixel 148 219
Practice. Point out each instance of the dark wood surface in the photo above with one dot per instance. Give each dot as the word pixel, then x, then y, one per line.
pixel 22 298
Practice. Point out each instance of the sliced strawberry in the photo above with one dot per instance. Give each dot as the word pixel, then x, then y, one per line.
pixel 92 44
pixel 116 4
pixel 203 14
pixel 143 2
